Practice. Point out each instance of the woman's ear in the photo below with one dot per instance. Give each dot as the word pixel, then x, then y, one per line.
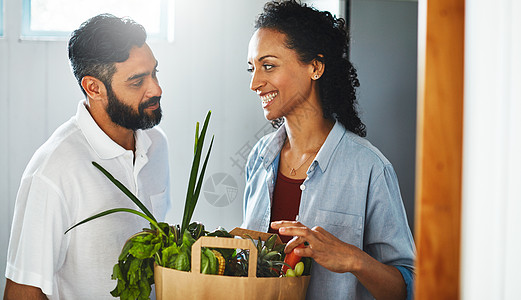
pixel 94 88
pixel 318 67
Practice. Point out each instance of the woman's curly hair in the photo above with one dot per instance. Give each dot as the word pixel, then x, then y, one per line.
pixel 315 34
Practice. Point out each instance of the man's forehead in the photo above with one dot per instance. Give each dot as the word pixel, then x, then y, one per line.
pixel 140 60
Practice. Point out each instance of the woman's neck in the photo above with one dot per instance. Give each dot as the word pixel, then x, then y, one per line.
pixel 306 132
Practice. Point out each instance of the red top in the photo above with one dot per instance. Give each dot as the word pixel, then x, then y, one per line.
pixel 286 201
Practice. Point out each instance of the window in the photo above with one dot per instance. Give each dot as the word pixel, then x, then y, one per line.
pixel 58 18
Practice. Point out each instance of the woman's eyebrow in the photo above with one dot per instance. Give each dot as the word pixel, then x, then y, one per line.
pixel 266 56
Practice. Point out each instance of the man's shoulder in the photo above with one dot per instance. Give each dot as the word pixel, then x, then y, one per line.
pixel 62 147
pixel 158 141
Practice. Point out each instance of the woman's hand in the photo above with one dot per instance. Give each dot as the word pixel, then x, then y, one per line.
pixel 323 247
pixel 383 281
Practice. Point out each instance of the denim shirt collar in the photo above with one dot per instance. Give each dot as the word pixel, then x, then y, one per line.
pixel 325 153
pixel 273 147
pixel 323 158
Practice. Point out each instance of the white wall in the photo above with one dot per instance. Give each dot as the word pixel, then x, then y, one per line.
pixel 491 226
pixel 5 214
pixel 205 69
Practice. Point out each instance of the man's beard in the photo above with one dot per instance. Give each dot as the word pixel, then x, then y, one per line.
pixel 125 116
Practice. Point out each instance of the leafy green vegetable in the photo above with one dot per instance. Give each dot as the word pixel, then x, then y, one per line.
pixel 196 230
pixel 194 186
pixel 205 264
pixel 168 246
pixel 135 275
pixel 169 255
pixel 212 260
pixel 145 246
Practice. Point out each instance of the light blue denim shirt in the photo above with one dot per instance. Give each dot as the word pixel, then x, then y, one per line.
pixel 352 191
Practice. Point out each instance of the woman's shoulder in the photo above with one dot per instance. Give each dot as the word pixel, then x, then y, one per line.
pixel 269 144
pixel 266 149
pixel 354 147
pixel 263 142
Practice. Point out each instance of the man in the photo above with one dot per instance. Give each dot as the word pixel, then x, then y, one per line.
pixel 114 126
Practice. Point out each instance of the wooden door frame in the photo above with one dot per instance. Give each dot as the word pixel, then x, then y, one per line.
pixel 439 148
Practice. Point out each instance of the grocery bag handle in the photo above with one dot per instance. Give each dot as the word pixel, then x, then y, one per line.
pixel 227 243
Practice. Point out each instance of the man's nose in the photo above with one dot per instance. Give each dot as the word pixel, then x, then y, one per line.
pixel 154 89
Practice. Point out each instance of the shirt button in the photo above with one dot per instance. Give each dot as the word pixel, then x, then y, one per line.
pixel 302 187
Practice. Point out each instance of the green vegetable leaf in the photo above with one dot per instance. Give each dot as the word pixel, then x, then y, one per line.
pixel 115 210
pixel 145 289
pixel 182 262
pixel 116 272
pixel 192 194
pixel 212 260
pixel 273 255
pixel 205 264
pixel 144 250
pixel 196 230
pixel 124 251
pixel 220 232
pixel 196 137
pixel 169 255
pixel 200 181
pixel 120 287
pixel 125 191
pixel 134 273
pixel 270 242
pixel 188 240
pixel 279 248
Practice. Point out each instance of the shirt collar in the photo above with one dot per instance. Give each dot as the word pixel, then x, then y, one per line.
pixel 325 153
pixel 102 144
pixel 274 146
pixel 143 142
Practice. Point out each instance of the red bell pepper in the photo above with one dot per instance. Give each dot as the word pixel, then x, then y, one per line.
pixel 292 259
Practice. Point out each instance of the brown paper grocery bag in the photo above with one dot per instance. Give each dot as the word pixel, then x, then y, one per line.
pixel 174 284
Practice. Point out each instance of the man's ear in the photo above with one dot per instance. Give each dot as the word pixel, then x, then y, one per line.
pixel 94 88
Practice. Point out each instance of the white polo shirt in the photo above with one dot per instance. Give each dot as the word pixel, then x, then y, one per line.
pixel 61 187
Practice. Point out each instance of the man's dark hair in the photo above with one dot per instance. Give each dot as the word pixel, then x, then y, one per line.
pixel 315 34
pixel 99 43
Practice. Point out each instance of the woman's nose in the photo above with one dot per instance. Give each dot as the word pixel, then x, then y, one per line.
pixel 256 81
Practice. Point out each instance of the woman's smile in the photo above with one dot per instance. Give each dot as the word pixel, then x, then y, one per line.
pixel 268 98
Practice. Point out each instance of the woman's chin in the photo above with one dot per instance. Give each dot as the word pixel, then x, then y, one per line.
pixel 271 116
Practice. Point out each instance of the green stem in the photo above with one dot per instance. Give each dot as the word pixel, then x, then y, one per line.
pixel 125 191
pixel 115 210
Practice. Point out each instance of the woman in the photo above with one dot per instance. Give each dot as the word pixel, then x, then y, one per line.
pixel 316 179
